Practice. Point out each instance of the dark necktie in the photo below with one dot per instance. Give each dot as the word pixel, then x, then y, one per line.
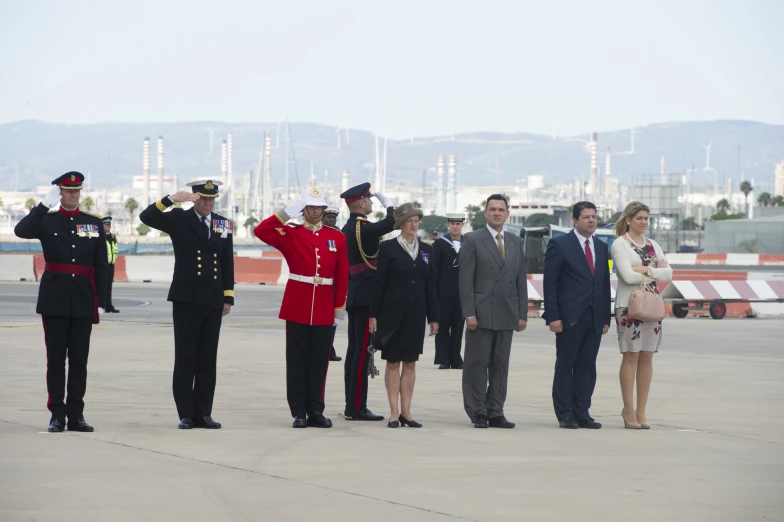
pixel 204 220
pixel 589 257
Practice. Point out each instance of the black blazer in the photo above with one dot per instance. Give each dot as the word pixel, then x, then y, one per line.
pixel 203 269
pixel 447 274
pixel 569 286
pixel 404 289
pixel 64 240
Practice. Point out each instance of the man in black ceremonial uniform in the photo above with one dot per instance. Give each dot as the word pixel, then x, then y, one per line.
pixel 330 219
pixel 71 294
pixel 111 250
pixel 362 240
pixel 202 292
pixel 446 261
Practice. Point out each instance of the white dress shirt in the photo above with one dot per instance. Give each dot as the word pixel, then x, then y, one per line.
pixel 494 233
pixel 209 223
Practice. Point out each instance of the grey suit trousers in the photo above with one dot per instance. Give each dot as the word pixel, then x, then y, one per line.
pixel 486 372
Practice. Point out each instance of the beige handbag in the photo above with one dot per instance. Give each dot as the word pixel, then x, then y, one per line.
pixel 645 305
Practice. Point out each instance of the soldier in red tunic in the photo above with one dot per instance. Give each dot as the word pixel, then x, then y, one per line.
pixel 314 300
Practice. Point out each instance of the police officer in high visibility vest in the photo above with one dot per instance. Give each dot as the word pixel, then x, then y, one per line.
pixel 111 250
pixel 71 295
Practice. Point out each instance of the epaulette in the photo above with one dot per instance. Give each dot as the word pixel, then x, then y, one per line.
pixel 91 214
pixel 53 211
pixel 361 218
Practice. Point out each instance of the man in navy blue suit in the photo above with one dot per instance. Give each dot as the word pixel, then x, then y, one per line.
pixel 577 310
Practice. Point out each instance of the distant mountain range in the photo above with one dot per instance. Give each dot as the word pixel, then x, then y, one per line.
pixel 112 152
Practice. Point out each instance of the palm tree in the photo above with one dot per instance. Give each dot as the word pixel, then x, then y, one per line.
pixel 764 199
pixel 131 205
pixel 747 189
pixel 778 201
pixel 472 210
pixel 87 203
pixel 251 222
pixel 30 204
pixel 723 206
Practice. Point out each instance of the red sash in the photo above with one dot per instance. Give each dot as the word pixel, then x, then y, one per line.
pixel 361 267
pixel 65 268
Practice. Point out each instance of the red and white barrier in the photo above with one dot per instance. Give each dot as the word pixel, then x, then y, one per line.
pixel 727 259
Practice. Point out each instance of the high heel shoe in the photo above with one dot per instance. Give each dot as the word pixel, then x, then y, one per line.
pixel 630 425
pixel 393 423
pixel 410 423
pixel 643 425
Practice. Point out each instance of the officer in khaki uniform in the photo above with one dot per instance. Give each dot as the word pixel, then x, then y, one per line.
pixel 202 292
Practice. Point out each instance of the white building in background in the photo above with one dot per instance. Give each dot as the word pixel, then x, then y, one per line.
pixel 778 186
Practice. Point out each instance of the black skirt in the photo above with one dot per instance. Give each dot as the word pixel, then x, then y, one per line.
pixel 391 351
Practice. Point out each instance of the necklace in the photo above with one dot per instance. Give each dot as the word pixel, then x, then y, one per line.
pixel 633 243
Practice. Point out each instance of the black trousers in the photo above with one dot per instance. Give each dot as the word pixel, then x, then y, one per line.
pixel 355 369
pixel 66 337
pixel 576 348
pixel 332 352
pixel 307 360
pixel 449 338
pixel 196 334
pixel 109 305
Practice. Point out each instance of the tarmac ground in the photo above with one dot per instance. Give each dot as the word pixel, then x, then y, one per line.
pixel 715 451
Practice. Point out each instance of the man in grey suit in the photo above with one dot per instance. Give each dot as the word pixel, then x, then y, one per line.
pixel 494 299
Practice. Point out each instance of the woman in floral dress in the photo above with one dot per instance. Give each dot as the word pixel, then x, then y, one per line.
pixel 636 258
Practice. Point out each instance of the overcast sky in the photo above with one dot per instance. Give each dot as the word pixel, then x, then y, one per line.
pixel 431 67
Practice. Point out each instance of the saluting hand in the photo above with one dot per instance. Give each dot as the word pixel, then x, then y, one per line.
pixel 294 210
pixel 182 196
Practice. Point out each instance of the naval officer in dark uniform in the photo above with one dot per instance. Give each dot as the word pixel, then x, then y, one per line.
pixel 202 292
pixel 446 261
pixel 362 240
pixel 330 219
pixel 112 248
pixel 71 295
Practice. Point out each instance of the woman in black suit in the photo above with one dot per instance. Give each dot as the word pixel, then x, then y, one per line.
pixel 404 297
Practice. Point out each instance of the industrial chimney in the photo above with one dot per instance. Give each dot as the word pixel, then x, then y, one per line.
pixel 440 191
pixel 160 167
pixel 607 175
pixel 146 172
pixel 451 193
pixel 594 167
pixel 224 166
pixel 267 191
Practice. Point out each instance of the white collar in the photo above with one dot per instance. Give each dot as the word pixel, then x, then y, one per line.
pixel 208 216
pixel 494 233
pixel 582 238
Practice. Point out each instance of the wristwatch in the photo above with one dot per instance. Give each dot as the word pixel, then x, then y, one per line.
pixel 649 273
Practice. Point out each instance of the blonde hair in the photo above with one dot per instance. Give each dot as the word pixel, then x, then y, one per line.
pixel 631 210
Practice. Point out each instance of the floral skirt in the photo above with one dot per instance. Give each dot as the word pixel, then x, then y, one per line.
pixel 637 336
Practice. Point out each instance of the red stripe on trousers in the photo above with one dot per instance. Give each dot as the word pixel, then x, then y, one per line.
pixel 362 371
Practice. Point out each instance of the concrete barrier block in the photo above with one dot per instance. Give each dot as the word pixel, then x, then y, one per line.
pixel 16 267
pixel 155 269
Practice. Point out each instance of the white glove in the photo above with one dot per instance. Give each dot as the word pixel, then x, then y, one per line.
pixel 385 201
pixel 101 311
pixel 52 197
pixel 337 321
pixel 294 210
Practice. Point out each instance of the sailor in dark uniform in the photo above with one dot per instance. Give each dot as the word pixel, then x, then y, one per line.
pixel 330 219
pixel 71 295
pixel 446 261
pixel 111 250
pixel 202 292
pixel 362 239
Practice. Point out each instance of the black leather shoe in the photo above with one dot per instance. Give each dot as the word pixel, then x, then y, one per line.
pixel 335 358
pixel 457 366
pixel 589 424
pixel 480 422
pixel 443 367
pixel 364 415
pixel 56 426
pixel 300 422
pixel 500 422
pixel 207 423
pixel 568 424
pixel 318 420
pixel 80 425
pixel 185 423
pixel 410 423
